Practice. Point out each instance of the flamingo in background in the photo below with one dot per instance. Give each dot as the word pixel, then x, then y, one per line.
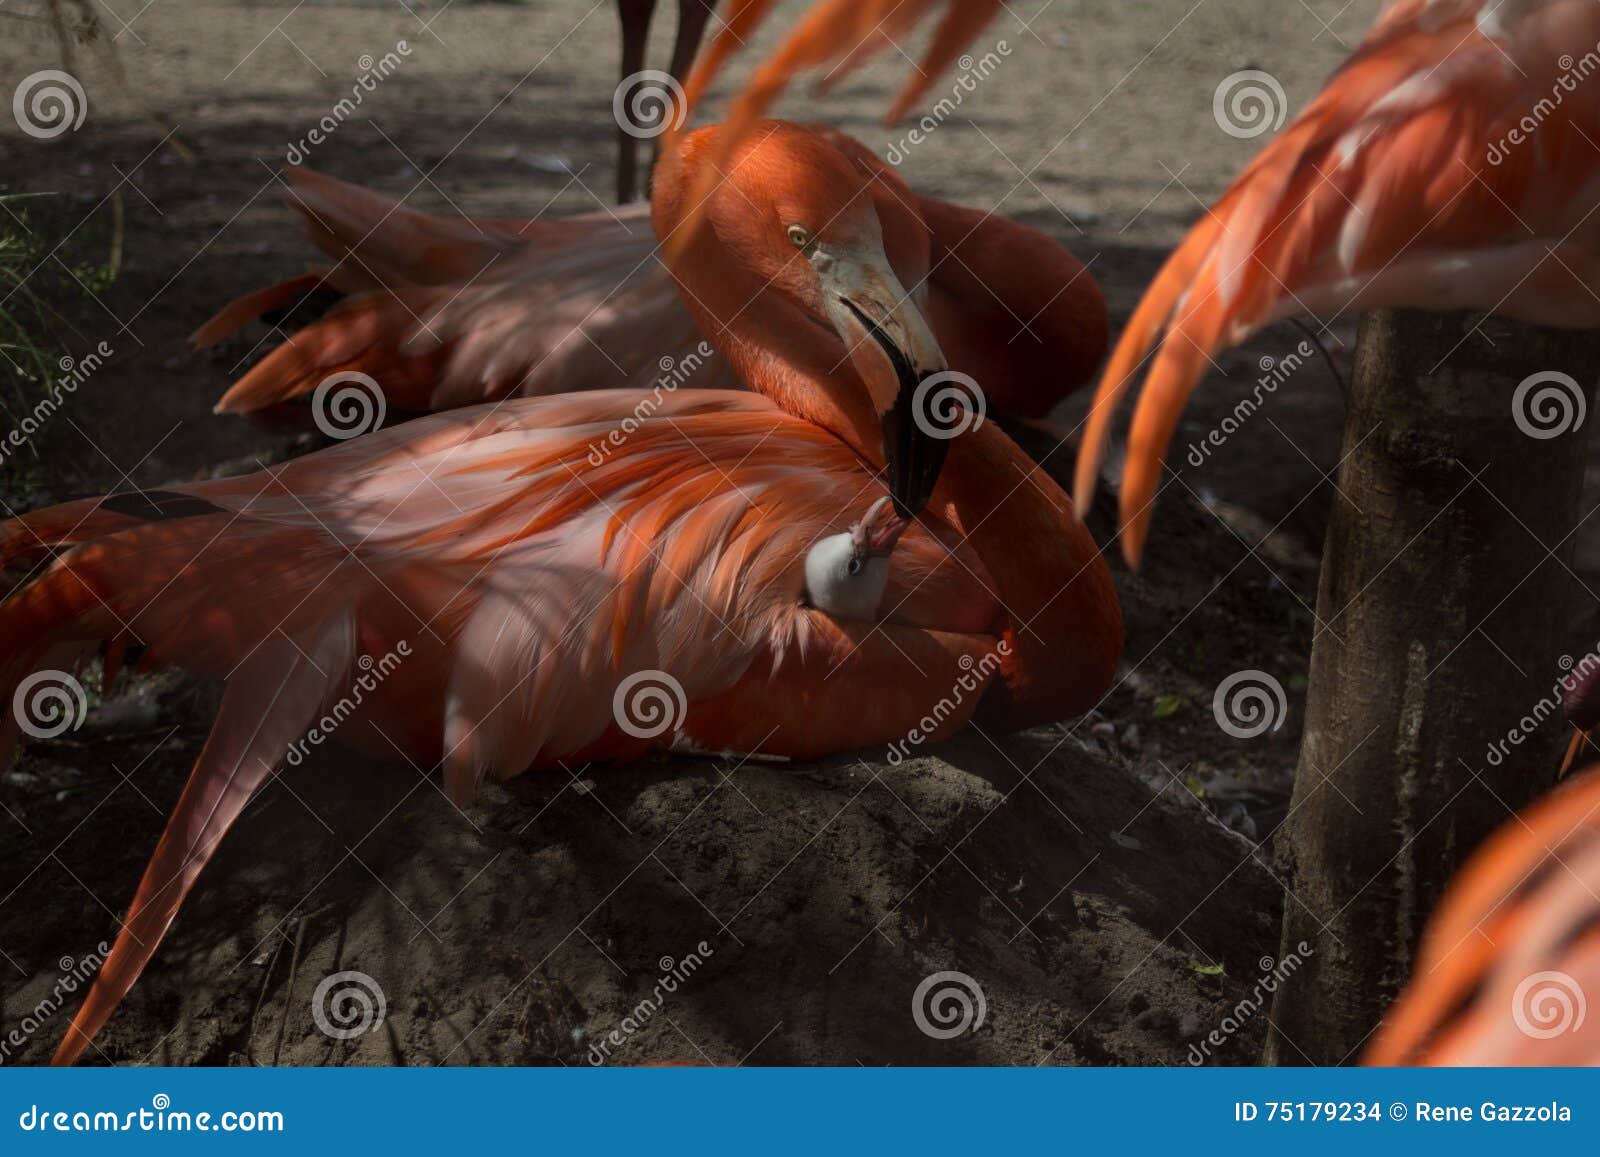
pixel 533 579
pixel 1503 970
pixel 443 312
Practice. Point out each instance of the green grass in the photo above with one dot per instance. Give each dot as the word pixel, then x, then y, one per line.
pixel 34 280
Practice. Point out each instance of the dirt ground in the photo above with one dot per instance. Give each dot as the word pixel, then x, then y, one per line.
pixel 1108 917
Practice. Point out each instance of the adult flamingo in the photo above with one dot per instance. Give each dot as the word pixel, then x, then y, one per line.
pixel 1508 958
pixel 442 312
pixel 535 566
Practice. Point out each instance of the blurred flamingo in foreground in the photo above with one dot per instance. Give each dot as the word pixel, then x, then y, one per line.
pixel 1406 182
pixel 445 312
pixel 1513 952
pixel 536 568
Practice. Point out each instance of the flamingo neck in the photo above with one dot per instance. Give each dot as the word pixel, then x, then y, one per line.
pixel 1012 308
pixel 1061 622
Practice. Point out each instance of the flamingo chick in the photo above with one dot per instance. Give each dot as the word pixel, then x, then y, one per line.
pixel 846 573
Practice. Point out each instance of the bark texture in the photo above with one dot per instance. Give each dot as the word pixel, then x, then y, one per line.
pixel 1441 610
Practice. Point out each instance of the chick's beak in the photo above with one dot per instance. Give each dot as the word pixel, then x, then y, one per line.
pixel 879 530
pixel 894 351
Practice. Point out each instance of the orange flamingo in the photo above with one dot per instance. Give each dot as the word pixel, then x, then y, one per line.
pixel 533 568
pixel 1507 961
pixel 443 312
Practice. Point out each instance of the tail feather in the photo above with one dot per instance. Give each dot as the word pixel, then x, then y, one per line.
pixel 242 311
pixel 268 703
pixel 362 335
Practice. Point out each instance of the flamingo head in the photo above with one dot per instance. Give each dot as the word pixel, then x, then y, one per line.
pixel 795 217
pixel 845 574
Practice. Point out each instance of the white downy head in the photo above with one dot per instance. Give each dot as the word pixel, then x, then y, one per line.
pixel 846 573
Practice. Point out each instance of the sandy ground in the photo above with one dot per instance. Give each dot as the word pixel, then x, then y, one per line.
pixel 1096 940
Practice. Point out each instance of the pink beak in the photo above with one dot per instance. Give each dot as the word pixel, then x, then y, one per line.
pixel 878 531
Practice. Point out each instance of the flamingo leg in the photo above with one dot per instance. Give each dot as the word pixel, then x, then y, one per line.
pixel 635 16
pixel 693 16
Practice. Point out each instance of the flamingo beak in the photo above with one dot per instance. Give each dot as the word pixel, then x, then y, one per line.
pixel 894 351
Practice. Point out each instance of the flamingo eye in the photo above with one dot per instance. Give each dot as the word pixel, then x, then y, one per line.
pixel 800 236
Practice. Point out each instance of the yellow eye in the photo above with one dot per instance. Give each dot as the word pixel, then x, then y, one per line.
pixel 800 236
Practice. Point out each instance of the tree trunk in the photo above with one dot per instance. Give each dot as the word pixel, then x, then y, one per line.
pixel 1433 710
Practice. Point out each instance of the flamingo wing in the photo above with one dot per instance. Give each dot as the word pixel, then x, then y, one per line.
pixel 1503 968
pixel 516 567
pixel 1412 179
pixel 444 313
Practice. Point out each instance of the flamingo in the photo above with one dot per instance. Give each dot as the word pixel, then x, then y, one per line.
pixel 1503 970
pixel 443 312
pixel 533 582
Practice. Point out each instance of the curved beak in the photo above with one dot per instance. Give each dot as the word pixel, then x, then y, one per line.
pixel 893 350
